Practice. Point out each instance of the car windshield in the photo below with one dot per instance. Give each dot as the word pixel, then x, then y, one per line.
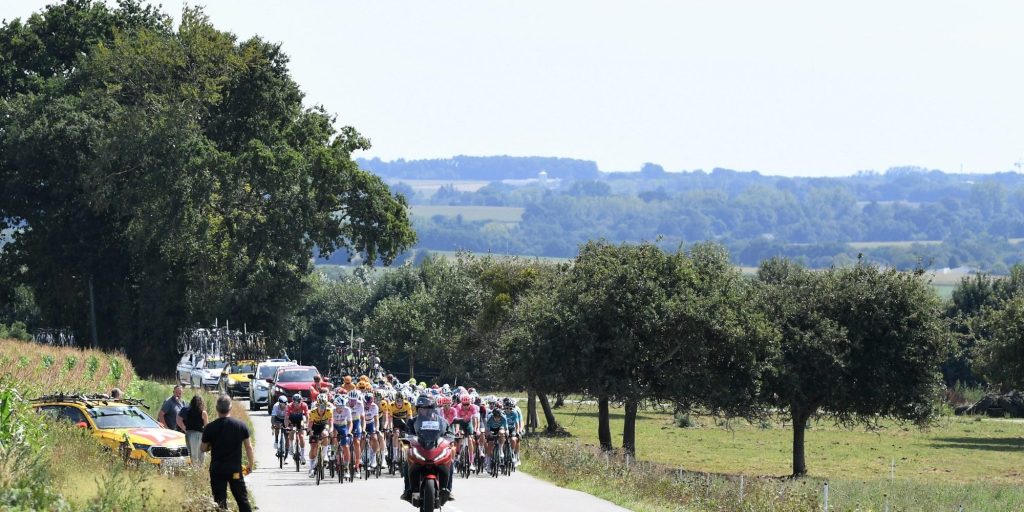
pixel 241 368
pixel 305 375
pixel 215 365
pixel 266 372
pixel 121 416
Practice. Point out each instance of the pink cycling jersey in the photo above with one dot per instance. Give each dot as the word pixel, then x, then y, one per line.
pixel 466 413
pixel 449 414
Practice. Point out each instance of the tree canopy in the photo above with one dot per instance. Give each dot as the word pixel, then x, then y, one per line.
pixel 166 177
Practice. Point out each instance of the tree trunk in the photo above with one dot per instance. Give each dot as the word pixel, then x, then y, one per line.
pixel 800 417
pixel 629 429
pixel 604 431
pixel 548 415
pixel 412 365
pixel 531 412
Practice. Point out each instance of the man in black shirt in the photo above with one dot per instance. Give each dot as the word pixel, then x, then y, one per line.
pixel 224 438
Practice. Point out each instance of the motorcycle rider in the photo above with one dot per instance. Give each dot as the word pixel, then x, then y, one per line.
pixel 426 411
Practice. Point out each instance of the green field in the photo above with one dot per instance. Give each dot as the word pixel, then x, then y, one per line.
pixel 959 460
pixel 993 446
pixel 429 187
pixel 901 244
pixel 505 214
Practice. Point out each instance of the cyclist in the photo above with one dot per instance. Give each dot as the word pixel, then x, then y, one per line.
pixel 278 415
pixel 496 427
pixel 398 415
pixel 467 420
pixel 319 418
pixel 355 402
pixel 298 414
pixel 342 426
pixel 515 425
pixel 370 413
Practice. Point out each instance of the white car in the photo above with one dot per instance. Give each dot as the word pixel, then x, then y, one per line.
pixel 207 372
pixel 259 388
pixel 186 365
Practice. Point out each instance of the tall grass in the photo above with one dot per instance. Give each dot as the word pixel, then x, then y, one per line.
pixel 46 465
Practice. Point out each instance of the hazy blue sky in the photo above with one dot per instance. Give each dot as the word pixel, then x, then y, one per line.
pixel 795 88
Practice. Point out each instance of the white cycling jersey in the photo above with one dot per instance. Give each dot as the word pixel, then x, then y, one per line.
pixel 371 413
pixel 342 415
pixel 357 411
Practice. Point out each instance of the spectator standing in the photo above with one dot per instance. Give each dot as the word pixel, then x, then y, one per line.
pixel 115 394
pixel 168 416
pixel 192 419
pixel 224 438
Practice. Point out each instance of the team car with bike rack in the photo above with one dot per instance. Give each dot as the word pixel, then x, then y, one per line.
pixel 119 424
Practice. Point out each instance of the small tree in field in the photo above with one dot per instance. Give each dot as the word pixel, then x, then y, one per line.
pixel 856 343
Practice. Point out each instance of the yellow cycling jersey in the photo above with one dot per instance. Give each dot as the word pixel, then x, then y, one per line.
pixel 316 417
pixel 404 412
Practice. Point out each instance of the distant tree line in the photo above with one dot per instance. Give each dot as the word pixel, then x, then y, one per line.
pixel 958 220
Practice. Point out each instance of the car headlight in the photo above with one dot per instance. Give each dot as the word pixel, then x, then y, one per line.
pixel 278 389
pixel 142 446
pixel 231 382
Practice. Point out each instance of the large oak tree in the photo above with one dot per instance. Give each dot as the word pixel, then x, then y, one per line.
pixel 166 176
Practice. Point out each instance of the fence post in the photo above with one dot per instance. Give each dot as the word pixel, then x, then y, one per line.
pixel 826 496
pixel 741 488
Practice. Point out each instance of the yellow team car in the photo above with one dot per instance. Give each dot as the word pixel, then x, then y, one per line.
pixel 234 380
pixel 120 425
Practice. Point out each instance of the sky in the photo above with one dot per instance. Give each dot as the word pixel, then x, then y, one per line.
pixel 807 88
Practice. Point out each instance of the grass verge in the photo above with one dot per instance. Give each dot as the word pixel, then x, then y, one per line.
pixel 47 465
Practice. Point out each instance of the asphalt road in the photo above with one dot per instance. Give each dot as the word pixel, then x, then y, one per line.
pixel 287 490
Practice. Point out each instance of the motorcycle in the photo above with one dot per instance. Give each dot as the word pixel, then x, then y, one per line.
pixel 430 453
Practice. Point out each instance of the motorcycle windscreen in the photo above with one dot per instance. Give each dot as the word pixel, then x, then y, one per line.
pixel 429 432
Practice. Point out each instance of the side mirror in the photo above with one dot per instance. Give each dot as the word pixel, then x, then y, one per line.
pixel 270 381
pixel 82 424
pixel 251 376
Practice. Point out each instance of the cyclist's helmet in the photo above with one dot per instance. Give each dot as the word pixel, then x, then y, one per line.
pixel 368 398
pixel 321 400
pixel 339 401
pixel 425 401
pixel 508 403
pixel 444 401
pixel 498 411
pixel 400 397
pixel 472 391
pixel 354 395
pixel 282 399
pixel 466 399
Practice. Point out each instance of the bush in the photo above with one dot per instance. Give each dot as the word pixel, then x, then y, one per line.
pixel 684 420
pixel 16 330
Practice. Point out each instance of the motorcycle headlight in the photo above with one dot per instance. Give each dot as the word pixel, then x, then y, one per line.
pixel 444 453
